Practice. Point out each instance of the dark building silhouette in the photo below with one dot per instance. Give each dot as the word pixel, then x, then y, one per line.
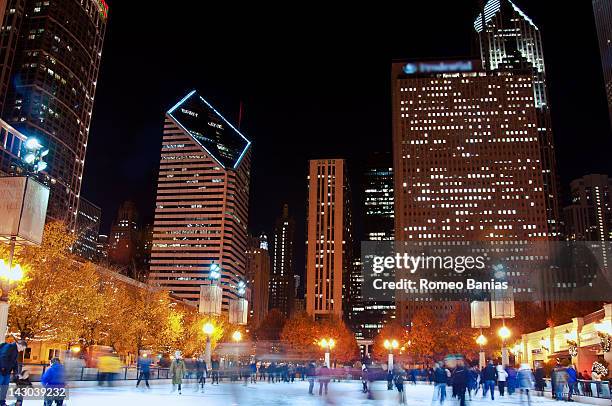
pixel 603 23
pixel 88 230
pixel 589 217
pixel 282 277
pixel 126 242
pixel 258 278
pixel 367 317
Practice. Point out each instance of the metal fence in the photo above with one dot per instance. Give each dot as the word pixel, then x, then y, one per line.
pixel 92 374
pixel 593 389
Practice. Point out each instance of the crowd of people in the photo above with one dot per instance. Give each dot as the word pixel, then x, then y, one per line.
pixel 454 377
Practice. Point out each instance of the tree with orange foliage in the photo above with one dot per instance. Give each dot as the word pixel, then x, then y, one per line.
pixel 422 335
pixel 299 335
pixel 391 331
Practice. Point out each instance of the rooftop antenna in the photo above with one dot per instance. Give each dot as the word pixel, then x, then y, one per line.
pixel 240 113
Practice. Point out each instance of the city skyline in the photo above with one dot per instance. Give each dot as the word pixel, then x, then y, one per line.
pixel 266 119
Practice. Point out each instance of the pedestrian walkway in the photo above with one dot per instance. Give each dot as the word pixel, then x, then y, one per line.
pixel 296 394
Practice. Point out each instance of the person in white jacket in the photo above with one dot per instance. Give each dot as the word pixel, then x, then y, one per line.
pixel 502 377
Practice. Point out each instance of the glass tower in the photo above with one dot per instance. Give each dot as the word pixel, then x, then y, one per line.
pixel 603 23
pixel 50 56
pixel 510 40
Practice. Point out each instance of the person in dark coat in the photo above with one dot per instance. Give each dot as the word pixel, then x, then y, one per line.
pixel 8 365
pixel 201 373
pixel 460 381
pixel 489 377
pixel 390 380
pixel 311 373
pixel 540 383
pixel 215 371
pixel 511 380
pixel 144 366
pixel 22 382
pixel 398 380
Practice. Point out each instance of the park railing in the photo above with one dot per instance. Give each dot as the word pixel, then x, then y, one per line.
pixel 126 373
pixel 592 389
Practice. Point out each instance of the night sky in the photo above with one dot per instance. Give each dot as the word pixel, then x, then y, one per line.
pixel 315 82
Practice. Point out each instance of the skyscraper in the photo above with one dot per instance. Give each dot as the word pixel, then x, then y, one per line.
pixel 603 23
pixel 367 316
pixel 123 239
pixel 258 278
pixel 87 229
pixel 282 276
pixel 378 219
pixel 329 243
pixel 510 40
pixel 589 217
pixel 202 201
pixel 467 156
pixel 50 56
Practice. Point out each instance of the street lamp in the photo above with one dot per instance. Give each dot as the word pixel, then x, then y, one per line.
pixel 481 340
pixel 390 345
pixel 33 155
pixel 237 337
pixel 328 344
pixel 241 288
pixel 208 329
pixel 9 274
pixel 504 333
pixel 215 272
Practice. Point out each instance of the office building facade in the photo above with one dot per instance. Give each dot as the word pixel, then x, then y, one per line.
pixel 329 239
pixel 202 202
pixel 510 40
pixel 603 23
pixel 467 157
pixel 282 278
pixel 50 56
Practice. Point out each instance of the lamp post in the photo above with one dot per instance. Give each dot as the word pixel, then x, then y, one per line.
pixel 9 274
pixel 390 345
pixel 23 208
pixel 237 337
pixel 504 333
pixel 208 329
pixel 481 340
pixel 327 344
